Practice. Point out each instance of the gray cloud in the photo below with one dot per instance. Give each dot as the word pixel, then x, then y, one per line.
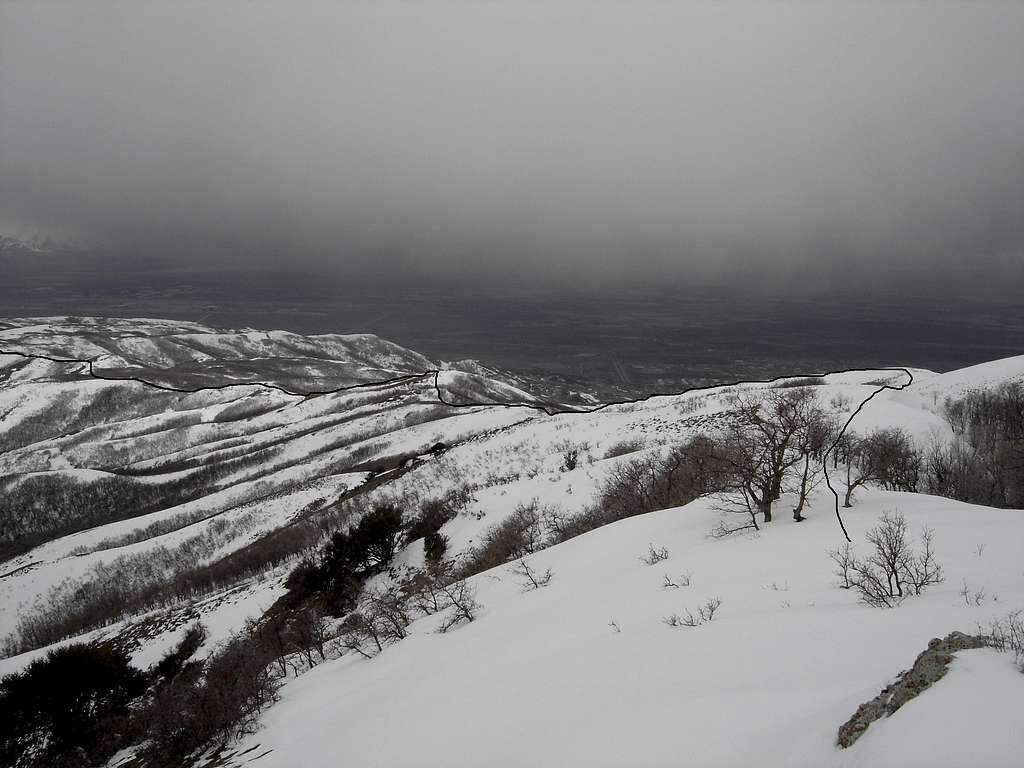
pixel 594 139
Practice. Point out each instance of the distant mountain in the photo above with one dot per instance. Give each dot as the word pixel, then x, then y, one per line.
pixel 36 245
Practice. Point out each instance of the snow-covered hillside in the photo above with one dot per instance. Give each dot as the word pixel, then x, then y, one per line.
pixel 114 482
pixel 543 677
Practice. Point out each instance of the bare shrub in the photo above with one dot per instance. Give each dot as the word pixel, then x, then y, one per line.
pixel 622 448
pixel 308 633
pixel 970 596
pixel 193 712
pixel 562 527
pixel 844 560
pixel 517 535
pixel 705 613
pixel 840 402
pixel 531 579
pixel 463 605
pixel 1007 634
pixel 654 556
pixel 160 577
pixel 683 580
pixel 435 544
pixel 425 588
pixel 383 618
pixel 893 570
pixel 174 661
pixel 432 516
pixel 571 453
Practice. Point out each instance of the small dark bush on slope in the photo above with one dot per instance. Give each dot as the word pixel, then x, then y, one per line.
pixel 431 518
pixel 435 545
pixel 171 665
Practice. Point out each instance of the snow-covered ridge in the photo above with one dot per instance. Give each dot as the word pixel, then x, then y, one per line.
pixel 172 347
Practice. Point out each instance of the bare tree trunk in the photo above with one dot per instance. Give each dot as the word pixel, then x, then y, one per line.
pixel 797 512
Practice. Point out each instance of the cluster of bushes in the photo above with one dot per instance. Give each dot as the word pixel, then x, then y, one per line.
pixel 111 591
pixel 984 464
pixel 163 576
pixel 72 410
pixel 37 508
pixel 335 577
pixel 218 700
pixel 133 584
pixel 80 704
pixel 887 457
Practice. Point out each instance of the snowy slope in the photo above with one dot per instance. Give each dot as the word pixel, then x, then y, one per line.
pixel 985 375
pixel 540 678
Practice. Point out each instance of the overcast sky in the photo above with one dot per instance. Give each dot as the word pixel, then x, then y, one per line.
pixel 563 138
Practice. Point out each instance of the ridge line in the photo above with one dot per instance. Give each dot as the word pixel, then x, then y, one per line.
pixel 435 373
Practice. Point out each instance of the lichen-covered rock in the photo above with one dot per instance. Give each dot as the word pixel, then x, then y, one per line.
pixel 931 665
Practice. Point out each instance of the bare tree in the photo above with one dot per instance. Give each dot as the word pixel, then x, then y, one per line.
pixel 383 618
pixel 772 432
pixel 308 633
pixel 425 588
pixel 813 440
pixel 887 457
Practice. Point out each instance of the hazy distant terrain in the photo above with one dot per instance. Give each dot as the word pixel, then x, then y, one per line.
pixel 616 341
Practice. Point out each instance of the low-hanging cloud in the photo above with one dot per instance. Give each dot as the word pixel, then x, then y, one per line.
pixel 562 138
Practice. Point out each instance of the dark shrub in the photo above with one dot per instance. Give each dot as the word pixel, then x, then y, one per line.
pixel 656 481
pixel 171 665
pixel 431 518
pixel 190 714
pixel 623 447
pixel 347 560
pixel 69 708
pixel 435 544
pixel 374 540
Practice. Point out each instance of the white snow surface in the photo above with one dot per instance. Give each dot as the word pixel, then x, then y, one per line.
pixel 541 679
